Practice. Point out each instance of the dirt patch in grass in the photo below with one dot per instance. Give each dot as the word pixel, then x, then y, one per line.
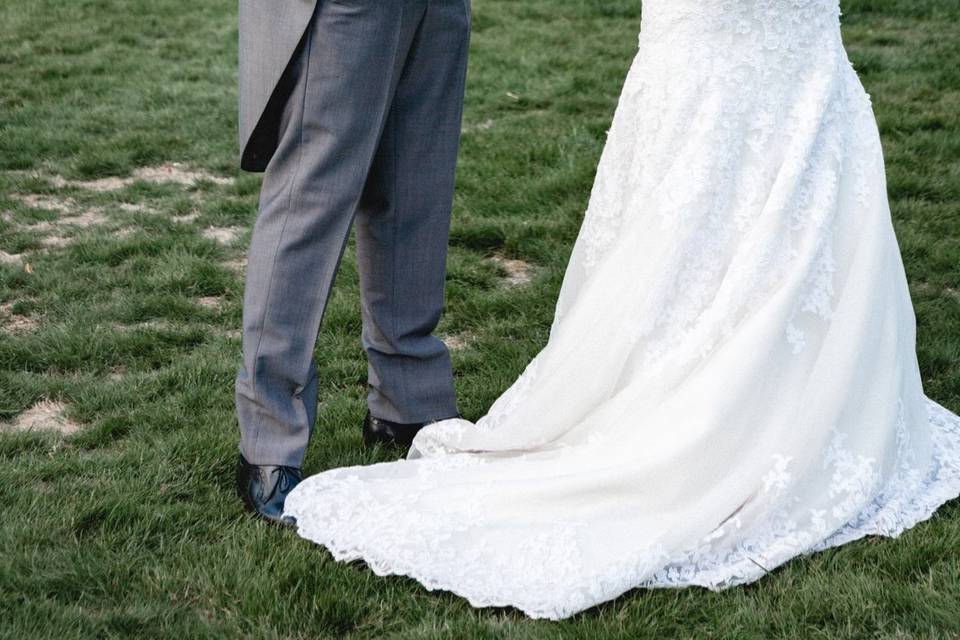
pixel 223 235
pixel 123 232
pixel 179 173
pixel 237 265
pixel 55 241
pixel 210 302
pixel 82 220
pixel 146 325
pixel 172 172
pixel 136 207
pixel 457 341
pixel 10 258
pixel 86 219
pixel 232 334
pixel 54 231
pixel 14 322
pixel 72 216
pixel 517 272
pixel 45 415
pixel 185 218
pixel 49 203
pixel 103 184
pixel 485 125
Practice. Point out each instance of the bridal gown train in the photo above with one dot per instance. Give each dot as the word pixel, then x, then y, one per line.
pixel 731 378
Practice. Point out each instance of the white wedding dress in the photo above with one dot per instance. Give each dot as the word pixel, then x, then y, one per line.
pixel 731 378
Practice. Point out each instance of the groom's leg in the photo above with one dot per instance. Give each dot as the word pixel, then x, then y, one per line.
pixel 403 225
pixel 344 79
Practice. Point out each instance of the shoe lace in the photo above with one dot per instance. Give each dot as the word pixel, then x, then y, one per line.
pixel 286 480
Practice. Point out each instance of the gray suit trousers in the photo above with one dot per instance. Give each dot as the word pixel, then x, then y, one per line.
pixel 368 136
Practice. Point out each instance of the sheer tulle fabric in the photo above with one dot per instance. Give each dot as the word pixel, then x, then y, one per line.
pixel 730 379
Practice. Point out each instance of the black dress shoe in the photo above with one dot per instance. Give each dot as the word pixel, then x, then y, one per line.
pixel 379 431
pixel 263 488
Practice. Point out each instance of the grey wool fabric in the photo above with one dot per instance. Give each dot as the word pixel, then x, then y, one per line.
pixel 352 109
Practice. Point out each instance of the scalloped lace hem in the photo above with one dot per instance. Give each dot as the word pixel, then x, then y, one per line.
pixel 717 572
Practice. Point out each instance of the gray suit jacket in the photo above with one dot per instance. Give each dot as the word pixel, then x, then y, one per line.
pixel 270 32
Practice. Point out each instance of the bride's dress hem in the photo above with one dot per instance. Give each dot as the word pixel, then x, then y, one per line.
pixel 747 563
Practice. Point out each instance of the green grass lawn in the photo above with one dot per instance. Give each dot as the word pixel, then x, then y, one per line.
pixel 123 225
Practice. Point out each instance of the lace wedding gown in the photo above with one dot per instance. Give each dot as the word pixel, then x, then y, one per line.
pixel 731 378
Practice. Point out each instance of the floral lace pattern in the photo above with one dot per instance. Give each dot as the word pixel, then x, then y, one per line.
pixel 731 378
